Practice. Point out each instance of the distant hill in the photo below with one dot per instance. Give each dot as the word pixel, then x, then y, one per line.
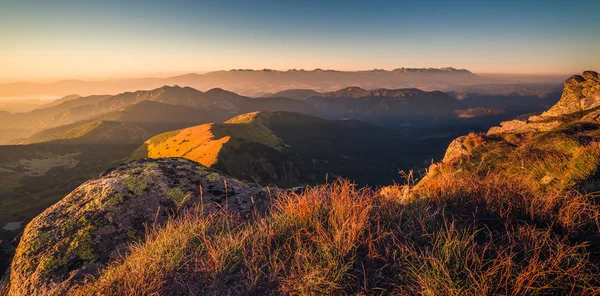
pixel 383 105
pixel 20 105
pixel 217 104
pixel 132 124
pixel 4 113
pixel 255 82
pixel 513 103
pixel 386 107
pixel 298 94
pixel 289 149
pixel 20 125
pixel 99 132
pixel 60 101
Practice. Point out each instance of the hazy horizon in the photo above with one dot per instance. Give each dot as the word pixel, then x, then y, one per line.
pixel 510 76
pixel 98 41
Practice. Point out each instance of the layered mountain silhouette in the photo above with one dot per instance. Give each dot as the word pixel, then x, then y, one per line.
pixel 60 101
pixel 383 105
pixel 217 105
pixel 513 103
pixel 387 107
pixel 256 82
pixel 147 118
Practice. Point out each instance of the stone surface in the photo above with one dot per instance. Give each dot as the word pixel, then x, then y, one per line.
pixel 94 223
pixel 592 117
pixel 456 149
pixel 580 93
pixel 507 126
pixel 591 75
pixel 523 127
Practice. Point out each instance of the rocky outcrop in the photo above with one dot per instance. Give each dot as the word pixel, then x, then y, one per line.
pixel 522 126
pixel 456 149
pixel 592 117
pixel 580 93
pixel 94 224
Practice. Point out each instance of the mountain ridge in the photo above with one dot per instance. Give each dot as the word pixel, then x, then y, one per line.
pixel 244 81
pixel 222 105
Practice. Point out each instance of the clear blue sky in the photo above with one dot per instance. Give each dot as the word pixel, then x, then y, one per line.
pixel 75 39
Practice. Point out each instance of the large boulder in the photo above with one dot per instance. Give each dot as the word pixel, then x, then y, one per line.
pixel 579 93
pixel 94 224
pixel 456 149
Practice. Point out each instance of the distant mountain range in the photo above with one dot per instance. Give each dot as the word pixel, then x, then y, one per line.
pixel 145 113
pixel 258 82
pixel 180 105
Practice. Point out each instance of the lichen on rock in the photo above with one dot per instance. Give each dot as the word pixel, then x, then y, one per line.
pixel 94 224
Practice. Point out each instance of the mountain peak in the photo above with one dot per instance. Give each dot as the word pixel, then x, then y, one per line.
pixel 217 91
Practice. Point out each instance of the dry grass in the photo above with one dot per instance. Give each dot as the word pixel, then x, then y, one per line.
pixel 466 238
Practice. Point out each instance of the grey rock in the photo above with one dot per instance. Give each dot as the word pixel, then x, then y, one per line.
pixel 456 149
pixel 79 235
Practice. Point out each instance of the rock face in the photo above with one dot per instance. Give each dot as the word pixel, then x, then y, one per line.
pixel 522 126
pixel 592 117
pixel 580 93
pixel 94 223
pixel 456 149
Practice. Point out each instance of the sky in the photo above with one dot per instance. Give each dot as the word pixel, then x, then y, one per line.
pixel 45 40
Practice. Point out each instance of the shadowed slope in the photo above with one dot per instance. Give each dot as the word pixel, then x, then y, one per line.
pixel 384 105
pixel 147 117
pixel 287 149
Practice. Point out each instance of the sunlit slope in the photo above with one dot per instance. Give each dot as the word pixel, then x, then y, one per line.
pixel 285 148
pixel 132 124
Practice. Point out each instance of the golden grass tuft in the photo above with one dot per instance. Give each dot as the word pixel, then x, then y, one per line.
pixel 465 238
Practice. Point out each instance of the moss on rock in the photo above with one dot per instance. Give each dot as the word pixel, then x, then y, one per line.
pixel 96 222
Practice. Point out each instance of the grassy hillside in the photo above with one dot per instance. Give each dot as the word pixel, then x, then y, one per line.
pixel 514 214
pixel 337 239
pixel 290 149
pixel 215 105
pixel 132 124
pixel 34 177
